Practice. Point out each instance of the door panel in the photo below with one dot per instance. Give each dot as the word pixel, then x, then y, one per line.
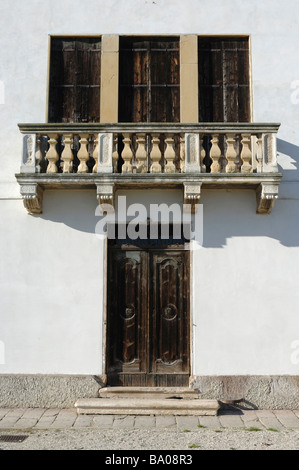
pixel 125 322
pixel 148 318
pixel 169 313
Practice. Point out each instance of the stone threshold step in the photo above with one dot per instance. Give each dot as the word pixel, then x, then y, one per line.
pixel 143 406
pixel 148 392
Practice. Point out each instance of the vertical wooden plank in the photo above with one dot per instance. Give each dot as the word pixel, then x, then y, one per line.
pixel 244 82
pixel 164 84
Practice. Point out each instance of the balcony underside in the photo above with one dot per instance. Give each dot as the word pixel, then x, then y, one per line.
pixel 264 184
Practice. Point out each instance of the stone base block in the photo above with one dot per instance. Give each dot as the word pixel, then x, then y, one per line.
pixel 147 406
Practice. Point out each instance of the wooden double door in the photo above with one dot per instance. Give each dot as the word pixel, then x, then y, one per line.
pixel 148 327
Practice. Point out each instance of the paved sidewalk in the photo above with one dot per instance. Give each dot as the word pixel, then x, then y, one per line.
pixel 42 418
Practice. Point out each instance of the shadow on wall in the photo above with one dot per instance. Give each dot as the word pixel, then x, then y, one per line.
pixel 226 214
pixel 288 156
pixel 232 213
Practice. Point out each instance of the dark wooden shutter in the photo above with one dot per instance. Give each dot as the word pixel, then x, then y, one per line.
pixel 223 73
pixel 75 75
pixel 149 80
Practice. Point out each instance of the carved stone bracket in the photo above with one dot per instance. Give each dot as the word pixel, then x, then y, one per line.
pixel 266 194
pixel 32 195
pixel 192 194
pixel 105 194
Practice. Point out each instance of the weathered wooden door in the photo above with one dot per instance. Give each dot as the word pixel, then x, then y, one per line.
pixel 148 317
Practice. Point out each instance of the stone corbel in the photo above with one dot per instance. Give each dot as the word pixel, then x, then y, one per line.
pixel 266 194
pixel 105 194
pixel 32 195
pixel 192 194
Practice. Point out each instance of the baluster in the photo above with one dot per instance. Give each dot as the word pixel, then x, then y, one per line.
pixel 141 156
pixel 52 154
pixel 231 154
pixel 215 154
pixel 155 155
pixel 246 156
pixel 259 153
pixel 95 153
pixel 127 154
pixel 182 153
pixel 67 154
pixel 83 154
pixel 169 155
pixel 38 153
pixel 115 153
pixel 202 156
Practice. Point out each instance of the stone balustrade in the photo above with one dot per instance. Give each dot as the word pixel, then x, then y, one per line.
pixel 216 148
pixel 192 155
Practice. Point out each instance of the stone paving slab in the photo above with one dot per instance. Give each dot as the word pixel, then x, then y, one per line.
pixel 187 423
pixel 123 422
pixel 251 420
pixel 142 422
pixel 288 418
pixel 103 421
pixel 231 421
pixel 268 419
pixel 166 421
pixel 210 422
pixel 40 418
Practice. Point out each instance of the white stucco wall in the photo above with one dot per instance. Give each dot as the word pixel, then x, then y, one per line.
pixel 245 285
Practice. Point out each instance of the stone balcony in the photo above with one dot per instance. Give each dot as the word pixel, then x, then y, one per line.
pixel 107 157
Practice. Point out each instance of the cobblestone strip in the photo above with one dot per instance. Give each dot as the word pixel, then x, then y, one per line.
pixel 41 418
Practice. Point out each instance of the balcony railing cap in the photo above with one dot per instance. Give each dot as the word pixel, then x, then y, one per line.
pixel 203 127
